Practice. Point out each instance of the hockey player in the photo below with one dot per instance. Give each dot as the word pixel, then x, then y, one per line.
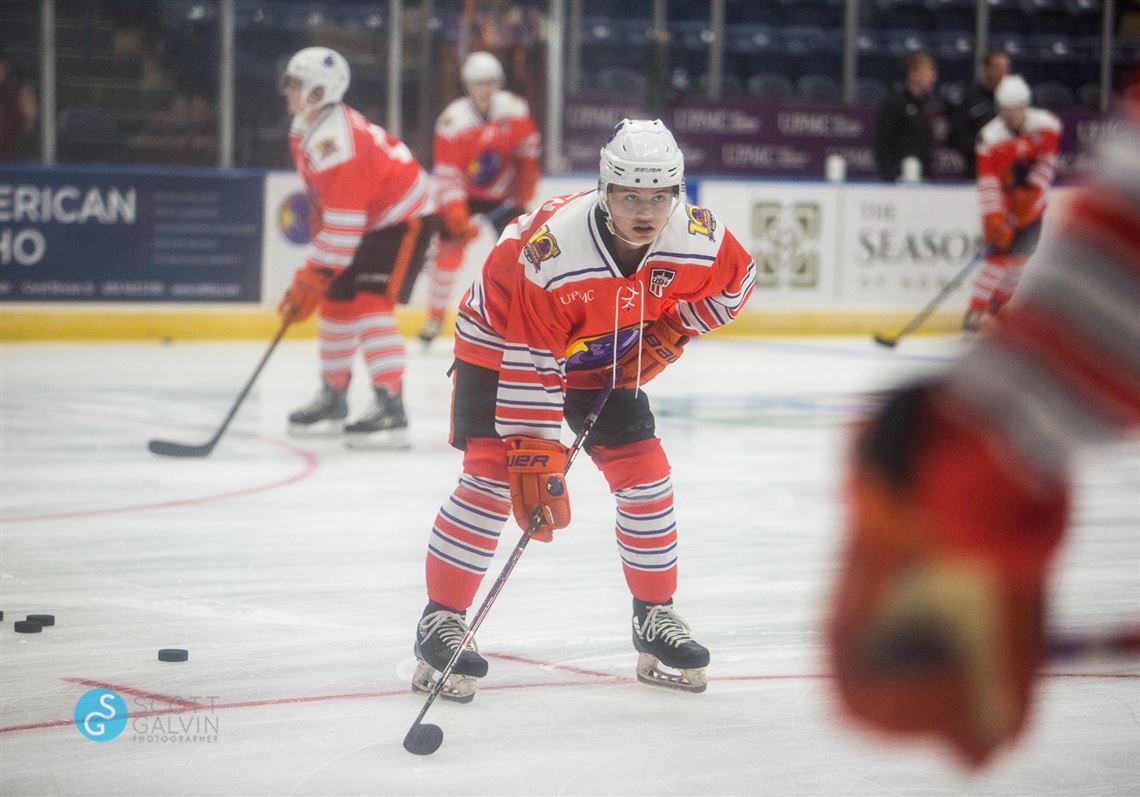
pixel 1016 159
pixel 626 274
pixel 373 221
pixel 960 486
pixel 486 163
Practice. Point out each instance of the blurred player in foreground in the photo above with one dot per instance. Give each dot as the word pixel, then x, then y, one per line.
pixel 373 221
pixel 605 282
pixel 1016 160
pixel 959 488
pixel 486 163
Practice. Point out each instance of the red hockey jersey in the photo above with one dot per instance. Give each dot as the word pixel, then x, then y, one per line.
pixel 359 178
pixel 492 158
pixel 551 307
pixel 1015 169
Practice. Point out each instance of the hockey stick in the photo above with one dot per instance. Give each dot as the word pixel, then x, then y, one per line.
pixel 1065 646
pixel 166 448
pixel 932 305
pixel 424 738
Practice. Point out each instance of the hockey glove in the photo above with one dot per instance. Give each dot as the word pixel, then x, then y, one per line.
pixel 998 232
pixel 538 488
pixel 936 625
pixel 303 296
pixel 457 224
pixel 661 346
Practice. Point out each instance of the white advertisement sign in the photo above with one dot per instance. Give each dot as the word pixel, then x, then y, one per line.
pixel 790 229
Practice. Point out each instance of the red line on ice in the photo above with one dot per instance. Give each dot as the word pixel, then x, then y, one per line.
pixel 128 690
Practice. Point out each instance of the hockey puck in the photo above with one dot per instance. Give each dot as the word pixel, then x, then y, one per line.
pixel 27 627
pixel 173 654
pixel 42 619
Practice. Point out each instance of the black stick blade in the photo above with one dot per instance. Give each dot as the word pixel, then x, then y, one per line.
pixel 423 738
pixel 885 341
pixel 165 448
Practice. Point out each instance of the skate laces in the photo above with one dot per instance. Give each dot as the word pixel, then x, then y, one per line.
pixel 662 621
pixel 448 626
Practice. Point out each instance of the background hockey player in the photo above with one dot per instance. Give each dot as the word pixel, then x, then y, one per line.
pixel 1016 159
pixel 628 273
pixel 373 221
pixel 959 490
pixel 486 163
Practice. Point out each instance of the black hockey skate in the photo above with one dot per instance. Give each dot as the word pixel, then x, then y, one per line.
pixel 438 635
pixel 430 331
pixel 384 425
pixel 324 415
pixel 663 641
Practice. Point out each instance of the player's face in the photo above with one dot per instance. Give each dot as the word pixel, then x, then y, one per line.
pixel 1014 117
pixel 291 90
pixel 639 214
pixel 481 94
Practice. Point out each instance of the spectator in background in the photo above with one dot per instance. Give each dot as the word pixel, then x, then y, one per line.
pixel 18 111
pixel 903 128
pixel 976 108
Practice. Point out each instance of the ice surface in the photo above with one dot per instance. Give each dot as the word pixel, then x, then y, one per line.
pixel 293 573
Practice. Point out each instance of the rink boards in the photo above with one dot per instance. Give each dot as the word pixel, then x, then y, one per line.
pixel 203 254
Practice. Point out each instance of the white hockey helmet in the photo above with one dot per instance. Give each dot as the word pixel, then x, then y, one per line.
pixel 641 154
pixel 1012 92
pixel 319 68
pixel 480 67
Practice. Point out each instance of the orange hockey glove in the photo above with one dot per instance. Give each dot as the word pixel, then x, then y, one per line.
pixel 936 626
pixel 303 296
pixel 538 489
pixel 661 346
pixel 457 224
pixel 998 232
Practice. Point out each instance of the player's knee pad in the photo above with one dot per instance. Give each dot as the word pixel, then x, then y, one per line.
pixel 631 464
pixel 486 457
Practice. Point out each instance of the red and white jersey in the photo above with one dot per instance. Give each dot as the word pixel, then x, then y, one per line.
pixel 551 306
pixel 1015 168
pixel 477 157
pixel 359 178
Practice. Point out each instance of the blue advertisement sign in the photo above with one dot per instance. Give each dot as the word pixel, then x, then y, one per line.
pixel 94 235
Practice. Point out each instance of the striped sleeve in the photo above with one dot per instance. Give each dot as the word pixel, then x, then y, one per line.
pixel 731 277
pixel 1063 369
pixel 1045 165
pixel 991 199
pixel 447 175
pixel 531 392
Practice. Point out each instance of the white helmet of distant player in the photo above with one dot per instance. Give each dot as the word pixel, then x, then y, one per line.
pixel 1012 92
pixel 319 68
pixel 481 67
pixel 641 154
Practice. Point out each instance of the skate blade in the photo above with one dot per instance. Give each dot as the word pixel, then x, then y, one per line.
pixel 318 429
pixel 458 688
pixel 385 440
pixel 650 671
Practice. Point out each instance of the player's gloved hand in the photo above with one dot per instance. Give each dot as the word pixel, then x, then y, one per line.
pixel 936 625
pixel 535 471
pixel 456 220
pixel 303 296
pixel 998 232
pixel 661 346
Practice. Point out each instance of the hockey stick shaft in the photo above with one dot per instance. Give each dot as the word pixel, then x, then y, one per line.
pixel 170 449
pixel 512 560
pixel 1065 646
pixel 938 299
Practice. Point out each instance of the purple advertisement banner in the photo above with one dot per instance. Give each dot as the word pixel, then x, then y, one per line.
pixel 742 139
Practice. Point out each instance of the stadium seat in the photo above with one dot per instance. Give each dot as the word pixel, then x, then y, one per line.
pixel 818 88
pixel 770 87
pixel 1053 95
pixel 1089 95
pixel 620 80
pixel 869 91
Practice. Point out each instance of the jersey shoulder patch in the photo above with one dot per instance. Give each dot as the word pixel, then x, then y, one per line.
pixel 1040 119
pixel 505 105
pixel 329 143
pixel 458 116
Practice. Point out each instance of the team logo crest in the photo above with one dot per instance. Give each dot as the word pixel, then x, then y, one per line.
pixel 326 147
pixel 787 240
pixel 660 279
pixel 541 246
pixel 485 169
pixel 701 221
pixel 295 218
pixel 597 351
